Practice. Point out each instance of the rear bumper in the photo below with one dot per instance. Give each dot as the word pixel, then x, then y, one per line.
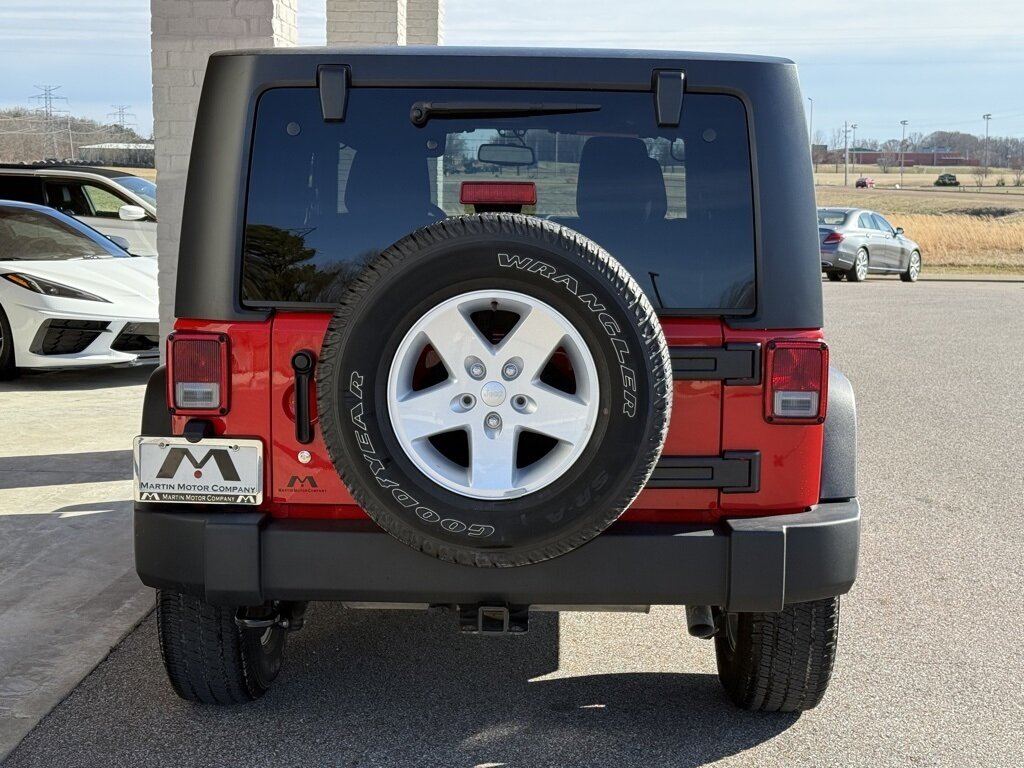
pixel 246 558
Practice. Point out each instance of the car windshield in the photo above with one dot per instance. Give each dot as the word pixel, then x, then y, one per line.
pixel 673 204
pixel 27 235
pixel 144 188
pixel 827 218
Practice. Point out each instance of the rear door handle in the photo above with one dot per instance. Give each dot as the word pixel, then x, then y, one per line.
pixel 303 363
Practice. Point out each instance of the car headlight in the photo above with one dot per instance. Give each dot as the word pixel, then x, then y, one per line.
pixel 48 288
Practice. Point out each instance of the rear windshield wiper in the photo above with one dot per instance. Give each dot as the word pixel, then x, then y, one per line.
pixel 423 111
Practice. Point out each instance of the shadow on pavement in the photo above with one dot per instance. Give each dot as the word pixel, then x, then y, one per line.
pixel 81 379
pixel 376 688
pixel 65 469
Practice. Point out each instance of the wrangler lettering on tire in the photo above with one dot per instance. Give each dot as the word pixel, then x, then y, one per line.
pixel 482 371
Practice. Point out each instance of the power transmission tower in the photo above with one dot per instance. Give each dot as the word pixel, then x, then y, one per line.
pixel 46 99
pixel 122 113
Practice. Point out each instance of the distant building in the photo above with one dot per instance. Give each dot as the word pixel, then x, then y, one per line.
pixel 933 156
pixel 131 155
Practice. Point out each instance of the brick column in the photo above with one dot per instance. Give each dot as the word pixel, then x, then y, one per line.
pixel 424 22
pixel 366 22
pixel 184 34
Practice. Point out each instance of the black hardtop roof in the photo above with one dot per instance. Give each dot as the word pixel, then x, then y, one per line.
pixel 507 52
pixel 786 236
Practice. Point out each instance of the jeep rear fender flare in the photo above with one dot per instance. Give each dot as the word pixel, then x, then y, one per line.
pixel 839 455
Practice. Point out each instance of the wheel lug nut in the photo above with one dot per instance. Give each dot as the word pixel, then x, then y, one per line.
pixel 512 368
pixel 492 421
pixel 475 367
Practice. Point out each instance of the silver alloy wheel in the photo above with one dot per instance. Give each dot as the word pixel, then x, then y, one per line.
pixel 496 406
pixel 915 265
pixel 862 265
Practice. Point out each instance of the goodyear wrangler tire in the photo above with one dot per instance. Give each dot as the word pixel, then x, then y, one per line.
pixel 494 390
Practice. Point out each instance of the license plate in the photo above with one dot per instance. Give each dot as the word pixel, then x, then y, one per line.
pixel 211 471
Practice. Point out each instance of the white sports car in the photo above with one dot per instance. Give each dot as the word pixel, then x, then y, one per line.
pixel 70 296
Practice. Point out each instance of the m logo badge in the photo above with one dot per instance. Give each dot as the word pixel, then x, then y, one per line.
pixel 303 482
pixel 220 457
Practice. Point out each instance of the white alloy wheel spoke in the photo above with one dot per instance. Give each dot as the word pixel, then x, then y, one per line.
pixel 454 337
pixel 533 340
pixel 493 394
pixel 429 411
pixel 492 458
pixel 559 415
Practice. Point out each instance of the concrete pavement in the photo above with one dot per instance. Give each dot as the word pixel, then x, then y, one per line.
pixel 68 593
pixel 931 651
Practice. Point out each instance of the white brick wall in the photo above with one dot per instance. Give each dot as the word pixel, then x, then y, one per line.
pixel 367 22
pixel 184 34
pixel 424 22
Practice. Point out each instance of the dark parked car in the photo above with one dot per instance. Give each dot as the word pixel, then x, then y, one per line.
pixel 589 375
pixel 856 242
pixel 947 180
pixel 116 203
pixel 865 182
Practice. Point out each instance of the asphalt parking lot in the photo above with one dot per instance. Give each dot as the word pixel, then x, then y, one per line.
pixel 931 653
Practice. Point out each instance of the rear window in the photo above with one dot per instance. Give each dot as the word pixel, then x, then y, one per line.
pixel 674 205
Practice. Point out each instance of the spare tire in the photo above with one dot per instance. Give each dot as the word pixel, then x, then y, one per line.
pixel 494 390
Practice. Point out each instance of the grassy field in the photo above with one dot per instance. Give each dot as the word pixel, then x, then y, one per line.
pixel 970 231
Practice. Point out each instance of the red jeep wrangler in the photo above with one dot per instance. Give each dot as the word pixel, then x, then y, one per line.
pixel 499 331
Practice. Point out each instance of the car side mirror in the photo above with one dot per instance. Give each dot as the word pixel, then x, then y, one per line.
pixel 131 213
pixel 120 242
pixel 899 230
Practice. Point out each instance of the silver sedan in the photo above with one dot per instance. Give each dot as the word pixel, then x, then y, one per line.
pixel 856 242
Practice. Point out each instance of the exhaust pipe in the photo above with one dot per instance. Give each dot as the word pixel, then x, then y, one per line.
pixel 699 621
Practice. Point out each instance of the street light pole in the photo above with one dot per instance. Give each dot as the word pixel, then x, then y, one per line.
pixel 986 117
pixel 853 127
pixel 846 152
pixel 903 138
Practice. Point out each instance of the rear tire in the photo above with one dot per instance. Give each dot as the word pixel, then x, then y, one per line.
pixel 834 277
pixel 7 369
pixel 913 268
pixel 779 662
pixel 859 271
pixel 211 660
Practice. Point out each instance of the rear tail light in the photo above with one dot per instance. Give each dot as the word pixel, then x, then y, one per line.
pixel 197 366
pixel 498 193
pixel 832 238
pixel 797 382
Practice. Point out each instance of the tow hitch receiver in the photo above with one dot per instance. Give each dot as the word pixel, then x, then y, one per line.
pixel 494 619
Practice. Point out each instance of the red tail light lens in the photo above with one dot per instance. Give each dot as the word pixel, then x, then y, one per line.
pixel 498 193
pixel 197 365
pixel 797 381
pixel 832 238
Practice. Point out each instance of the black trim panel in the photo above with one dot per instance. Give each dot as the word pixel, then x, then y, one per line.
pixel 733 472
pixel 234 557
pixel 735 364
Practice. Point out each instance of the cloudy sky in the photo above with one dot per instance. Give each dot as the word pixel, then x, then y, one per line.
pixel 940 64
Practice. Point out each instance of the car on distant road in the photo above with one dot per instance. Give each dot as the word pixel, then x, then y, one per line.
pixel 856 242
pixel 865 182
pixel 70 296
pixel 947 180
pixel 112 201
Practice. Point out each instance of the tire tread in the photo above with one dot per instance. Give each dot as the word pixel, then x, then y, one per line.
pixel 204 651
pixel 783 661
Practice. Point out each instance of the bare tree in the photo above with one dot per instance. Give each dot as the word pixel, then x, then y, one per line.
pixel 1017 166
pixel 836 143
pixel 889 154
